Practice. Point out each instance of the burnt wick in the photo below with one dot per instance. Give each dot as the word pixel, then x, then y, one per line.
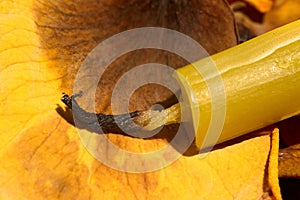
pixel 125 123
pixel 100 123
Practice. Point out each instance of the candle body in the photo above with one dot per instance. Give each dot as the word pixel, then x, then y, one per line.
pixel 243 88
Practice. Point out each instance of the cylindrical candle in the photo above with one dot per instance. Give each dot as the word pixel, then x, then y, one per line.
pixel 244 88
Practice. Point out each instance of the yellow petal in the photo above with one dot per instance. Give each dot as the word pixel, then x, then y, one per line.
pixel 42 156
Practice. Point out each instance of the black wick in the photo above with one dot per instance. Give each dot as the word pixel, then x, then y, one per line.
pixel 100 123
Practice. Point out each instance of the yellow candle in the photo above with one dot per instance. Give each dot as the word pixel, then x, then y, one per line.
pixel 247 87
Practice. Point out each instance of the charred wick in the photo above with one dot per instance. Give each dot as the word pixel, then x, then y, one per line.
pixel 100 123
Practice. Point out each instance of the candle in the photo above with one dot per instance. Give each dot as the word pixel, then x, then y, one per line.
pixel 229 94
pixel 244 88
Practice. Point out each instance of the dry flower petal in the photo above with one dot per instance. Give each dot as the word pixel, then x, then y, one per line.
pixel 42 154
